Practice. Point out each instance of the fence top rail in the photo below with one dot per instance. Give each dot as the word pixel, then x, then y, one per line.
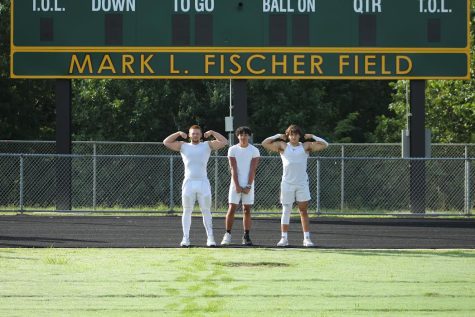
pixel 322 158
pixel 82 142
pixel 161 143
pixel 373 158
pixel 83 155
pixel 28 141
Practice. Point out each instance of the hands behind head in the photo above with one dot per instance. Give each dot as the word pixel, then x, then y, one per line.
pixel 206 135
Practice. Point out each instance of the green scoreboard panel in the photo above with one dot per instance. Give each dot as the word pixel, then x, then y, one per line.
pixel 307 39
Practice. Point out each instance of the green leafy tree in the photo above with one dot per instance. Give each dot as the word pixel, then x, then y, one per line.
pixel 450 112
pixel 26 106
pixel 343 111
pixel 275 104
pixel 145 110
pixel 354 108
pixel 450 107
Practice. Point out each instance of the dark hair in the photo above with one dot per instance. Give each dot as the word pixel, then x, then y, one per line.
pixel 195 126
pixel 243 130
pixel 294 129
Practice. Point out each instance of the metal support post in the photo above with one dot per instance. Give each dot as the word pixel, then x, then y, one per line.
pixel 172 204
pixel 318 187
pixel 467 187
pixel 417 146
pixel 229 121
pixel 94 176
pixel 342 179
pixel 63 144
pixel 216 178
pixel 22 184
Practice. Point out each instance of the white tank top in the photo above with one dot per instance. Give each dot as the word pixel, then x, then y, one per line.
pixel 294 160
pixel 195 158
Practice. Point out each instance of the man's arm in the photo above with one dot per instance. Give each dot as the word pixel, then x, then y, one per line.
pixel 234 173
pixel 252 174
pixel 171 142
pixel 219 142
pixel 277 146
pixel 317 144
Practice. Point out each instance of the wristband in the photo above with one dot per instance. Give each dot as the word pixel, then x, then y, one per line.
pixel 316 138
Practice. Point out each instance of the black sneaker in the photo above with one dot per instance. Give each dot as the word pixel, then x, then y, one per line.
pixel 246 240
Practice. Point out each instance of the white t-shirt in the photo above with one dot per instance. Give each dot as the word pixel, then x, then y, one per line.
pixel 195 157
pixel 294 160
pixel 244 156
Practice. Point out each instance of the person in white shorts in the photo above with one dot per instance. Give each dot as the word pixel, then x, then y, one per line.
pixel 195 155
pixel 243 159
pixel 294 185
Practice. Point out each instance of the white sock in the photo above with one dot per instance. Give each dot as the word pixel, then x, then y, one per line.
pixel 306 235
pixel 186 221
pixel 284 235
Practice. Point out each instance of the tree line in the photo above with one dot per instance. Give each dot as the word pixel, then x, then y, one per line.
pixel 149 110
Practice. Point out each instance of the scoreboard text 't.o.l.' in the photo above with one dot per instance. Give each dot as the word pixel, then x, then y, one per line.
pixel 241 39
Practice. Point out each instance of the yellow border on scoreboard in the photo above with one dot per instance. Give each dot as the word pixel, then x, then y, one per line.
pixel 240 49
pixel 395 77
pixel 245 77
pixel 191 49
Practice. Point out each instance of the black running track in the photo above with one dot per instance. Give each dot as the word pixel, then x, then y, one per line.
pixel 165 232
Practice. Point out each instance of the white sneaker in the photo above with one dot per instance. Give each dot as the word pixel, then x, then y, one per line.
pixel 226 239
pixel 308 243
pixel 185 242
pixel 283 242
pixel 210 242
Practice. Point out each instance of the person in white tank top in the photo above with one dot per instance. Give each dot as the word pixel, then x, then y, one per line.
pixel 294 161
pixel 294 186
pixel 195 155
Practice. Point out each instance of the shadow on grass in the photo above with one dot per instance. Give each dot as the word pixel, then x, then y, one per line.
pixel 253 264
pixel 413 253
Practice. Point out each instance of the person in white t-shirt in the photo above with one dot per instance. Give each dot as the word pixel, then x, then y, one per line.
pixel 294 185
pixel 243 159
pixel 195 155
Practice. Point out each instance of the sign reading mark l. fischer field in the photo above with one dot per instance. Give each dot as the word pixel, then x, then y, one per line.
pixel 274 39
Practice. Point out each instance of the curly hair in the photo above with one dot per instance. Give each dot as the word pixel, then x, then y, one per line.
pixel 243 130
pixel 294 129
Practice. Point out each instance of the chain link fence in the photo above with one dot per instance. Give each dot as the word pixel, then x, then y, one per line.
pixel 152 184
pixel 157 148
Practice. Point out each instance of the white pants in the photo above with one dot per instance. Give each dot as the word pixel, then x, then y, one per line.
pixel 290 193
pixel 193 190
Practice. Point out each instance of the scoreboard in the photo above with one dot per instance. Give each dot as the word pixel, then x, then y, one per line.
pixel 240 39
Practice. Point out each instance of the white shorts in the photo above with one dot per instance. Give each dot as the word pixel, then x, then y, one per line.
pixel 290 193
pixel 193 190
pixel 235 198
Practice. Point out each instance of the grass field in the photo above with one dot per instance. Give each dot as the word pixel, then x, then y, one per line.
pixel 236 282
